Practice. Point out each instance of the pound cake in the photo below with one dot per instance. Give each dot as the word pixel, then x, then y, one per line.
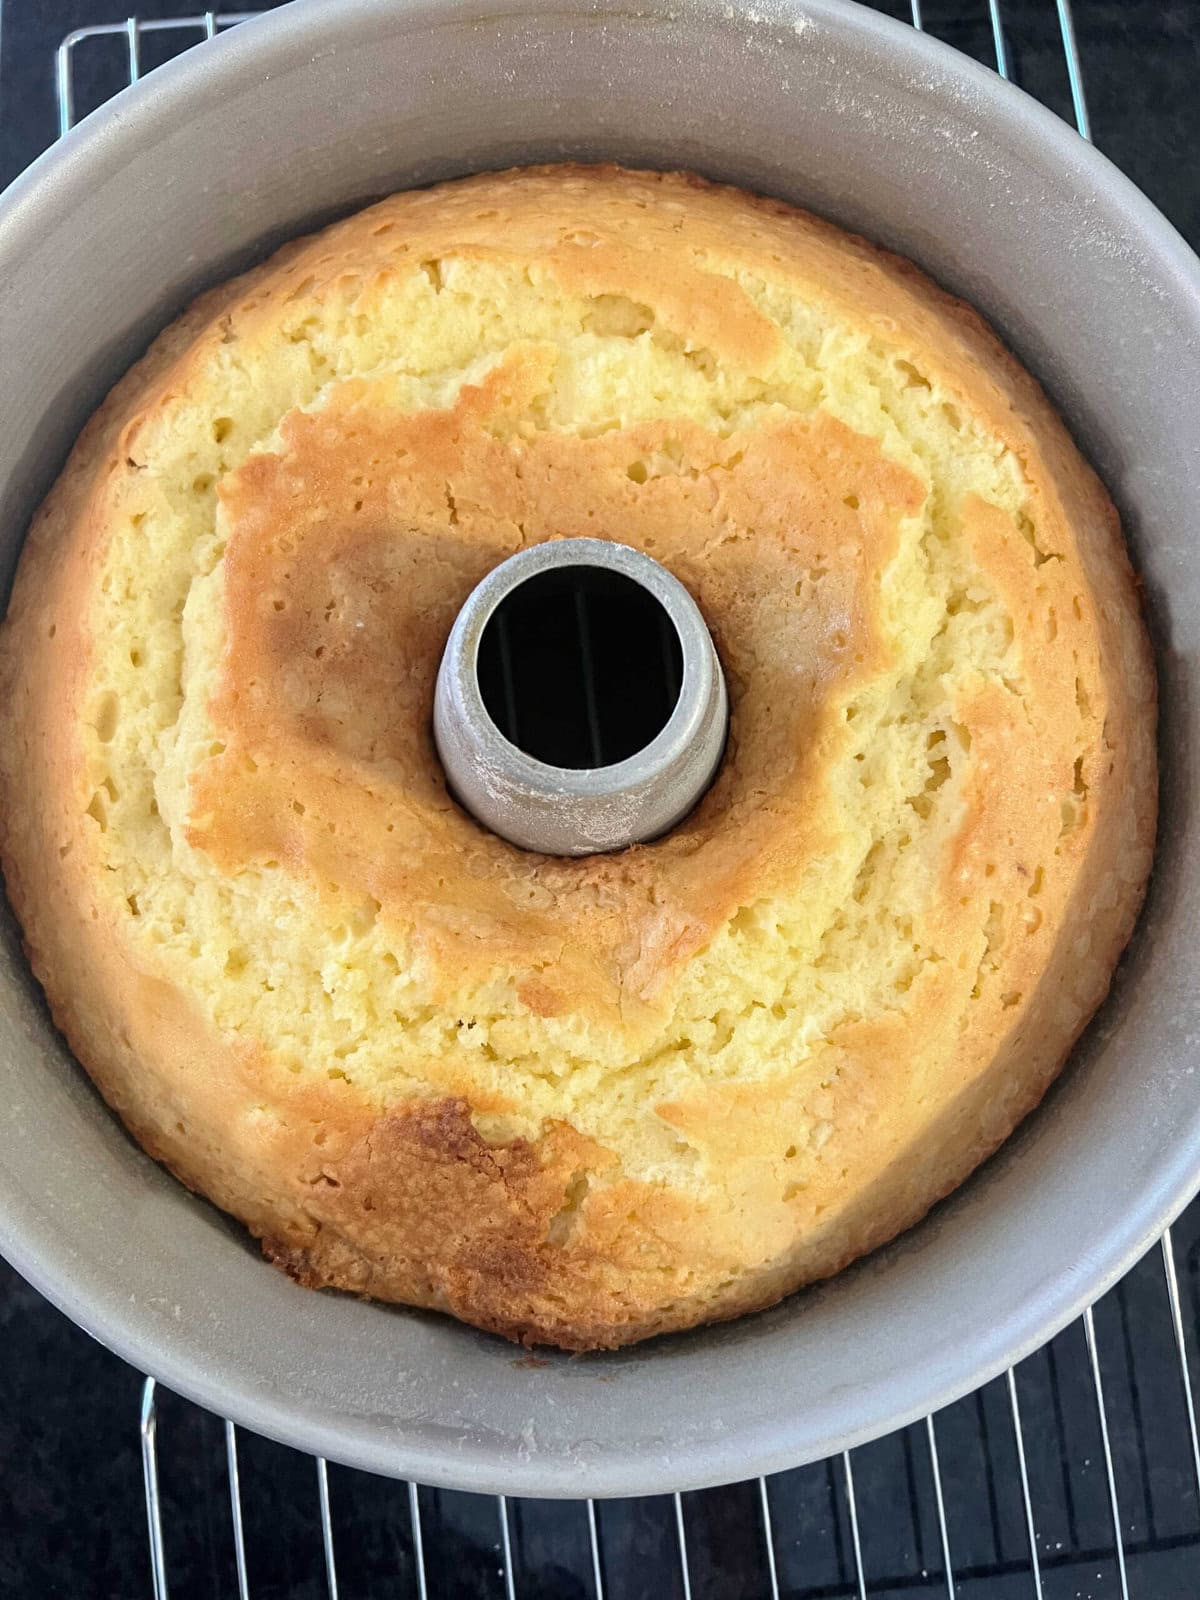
pixel 575 1101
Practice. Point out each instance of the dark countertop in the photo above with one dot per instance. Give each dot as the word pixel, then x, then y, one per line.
pixel 71 1512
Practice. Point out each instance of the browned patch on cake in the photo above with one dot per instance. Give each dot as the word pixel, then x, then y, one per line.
pixel 343 580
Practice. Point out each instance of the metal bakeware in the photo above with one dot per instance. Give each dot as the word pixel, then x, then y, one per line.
pixel 589 801
pixel 824 104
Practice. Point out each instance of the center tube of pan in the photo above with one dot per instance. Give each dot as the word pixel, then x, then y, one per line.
pixel 580 705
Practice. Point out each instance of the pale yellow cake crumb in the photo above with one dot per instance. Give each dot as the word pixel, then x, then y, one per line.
pixel 575 1101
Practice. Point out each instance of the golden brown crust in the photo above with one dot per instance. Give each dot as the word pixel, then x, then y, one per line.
pixel 321 762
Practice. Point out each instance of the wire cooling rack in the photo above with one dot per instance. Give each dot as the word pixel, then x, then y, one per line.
pixel 1077 1474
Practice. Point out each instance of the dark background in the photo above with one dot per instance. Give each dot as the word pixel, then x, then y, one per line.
pixel 72 1521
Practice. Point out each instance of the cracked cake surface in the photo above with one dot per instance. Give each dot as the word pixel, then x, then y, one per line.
pixel 575 1101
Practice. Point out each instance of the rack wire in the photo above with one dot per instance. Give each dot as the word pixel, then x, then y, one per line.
pixel 1031 1572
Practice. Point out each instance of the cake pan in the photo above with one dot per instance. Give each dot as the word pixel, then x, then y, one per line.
pixel 318 107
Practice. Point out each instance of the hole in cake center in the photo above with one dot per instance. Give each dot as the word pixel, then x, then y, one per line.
pixel 580 667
